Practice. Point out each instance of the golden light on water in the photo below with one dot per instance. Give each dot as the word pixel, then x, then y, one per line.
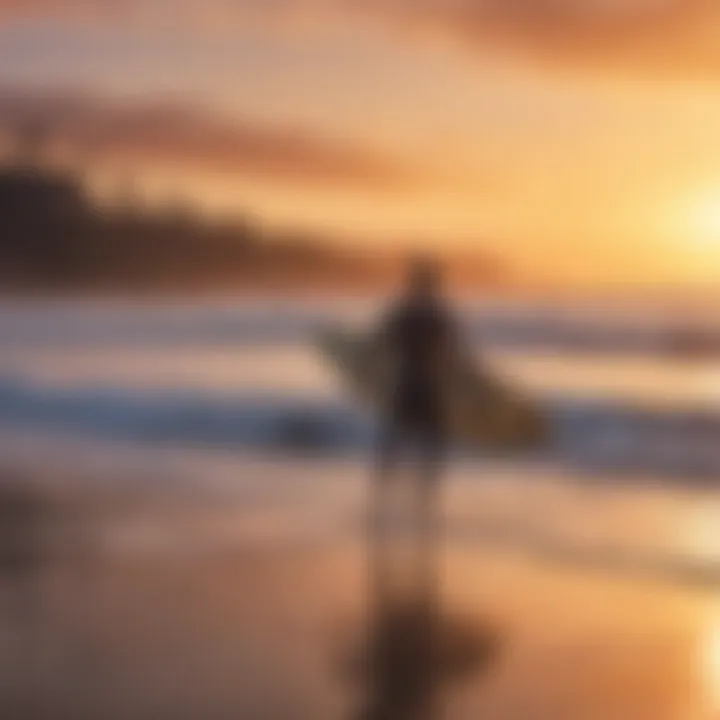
pixel 703 540
pixel 710 665
pixel 702 532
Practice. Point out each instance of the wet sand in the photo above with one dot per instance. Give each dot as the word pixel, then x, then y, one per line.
pixel 248 602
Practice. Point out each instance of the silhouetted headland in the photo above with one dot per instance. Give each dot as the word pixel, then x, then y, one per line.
pixel 55 236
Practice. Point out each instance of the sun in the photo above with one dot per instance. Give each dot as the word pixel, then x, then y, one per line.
pixel 703 220
pixel 686 233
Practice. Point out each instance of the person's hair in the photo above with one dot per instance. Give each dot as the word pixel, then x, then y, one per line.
pixel 424 272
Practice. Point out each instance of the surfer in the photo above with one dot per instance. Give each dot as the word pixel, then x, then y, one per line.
pixel 417 336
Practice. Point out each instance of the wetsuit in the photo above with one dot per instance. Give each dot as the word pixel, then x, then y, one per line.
pixel 417 335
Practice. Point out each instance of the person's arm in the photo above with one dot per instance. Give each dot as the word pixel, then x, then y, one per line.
pixel 451 339
pixel 384 332
pixel 383 344
pixel 458 356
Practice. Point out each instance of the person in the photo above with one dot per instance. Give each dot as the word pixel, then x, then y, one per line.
pixel 417 336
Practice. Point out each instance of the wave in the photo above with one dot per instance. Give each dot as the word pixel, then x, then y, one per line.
pixel 596 331
pixel 586 434
pixel 250 420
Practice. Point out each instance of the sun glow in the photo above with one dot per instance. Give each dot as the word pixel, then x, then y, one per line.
pixel 704 220
pixel 686 232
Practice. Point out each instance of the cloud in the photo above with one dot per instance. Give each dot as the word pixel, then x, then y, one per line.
pixel 167 13
pixel 163 133
pixel 656 35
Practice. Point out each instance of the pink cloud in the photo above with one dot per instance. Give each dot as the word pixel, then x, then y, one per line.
pixel 656 34
pixel 171 134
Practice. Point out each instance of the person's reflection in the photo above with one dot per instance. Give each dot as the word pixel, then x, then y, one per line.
pixel 413 650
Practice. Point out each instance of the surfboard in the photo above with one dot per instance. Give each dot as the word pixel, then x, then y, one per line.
pixel 484 411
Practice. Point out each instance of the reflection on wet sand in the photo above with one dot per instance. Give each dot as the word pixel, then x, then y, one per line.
pixel 414 647
pixel 150 628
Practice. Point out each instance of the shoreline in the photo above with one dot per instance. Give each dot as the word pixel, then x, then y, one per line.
pixel 660 299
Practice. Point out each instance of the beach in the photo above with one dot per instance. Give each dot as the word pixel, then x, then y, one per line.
pixel 244 597
pixel 184 522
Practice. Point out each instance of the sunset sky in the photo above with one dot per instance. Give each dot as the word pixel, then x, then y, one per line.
pixel 578 138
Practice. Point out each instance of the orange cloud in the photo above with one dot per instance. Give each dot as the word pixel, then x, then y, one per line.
pixel 152 133
pixel 656 34
pixel 653 35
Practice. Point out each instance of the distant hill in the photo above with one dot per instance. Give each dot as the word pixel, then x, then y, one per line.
pixel 53 236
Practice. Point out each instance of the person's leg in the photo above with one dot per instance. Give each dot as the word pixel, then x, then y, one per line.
pixel 387 455
pixel 431 441
pixel 387 450
pixel 432 455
